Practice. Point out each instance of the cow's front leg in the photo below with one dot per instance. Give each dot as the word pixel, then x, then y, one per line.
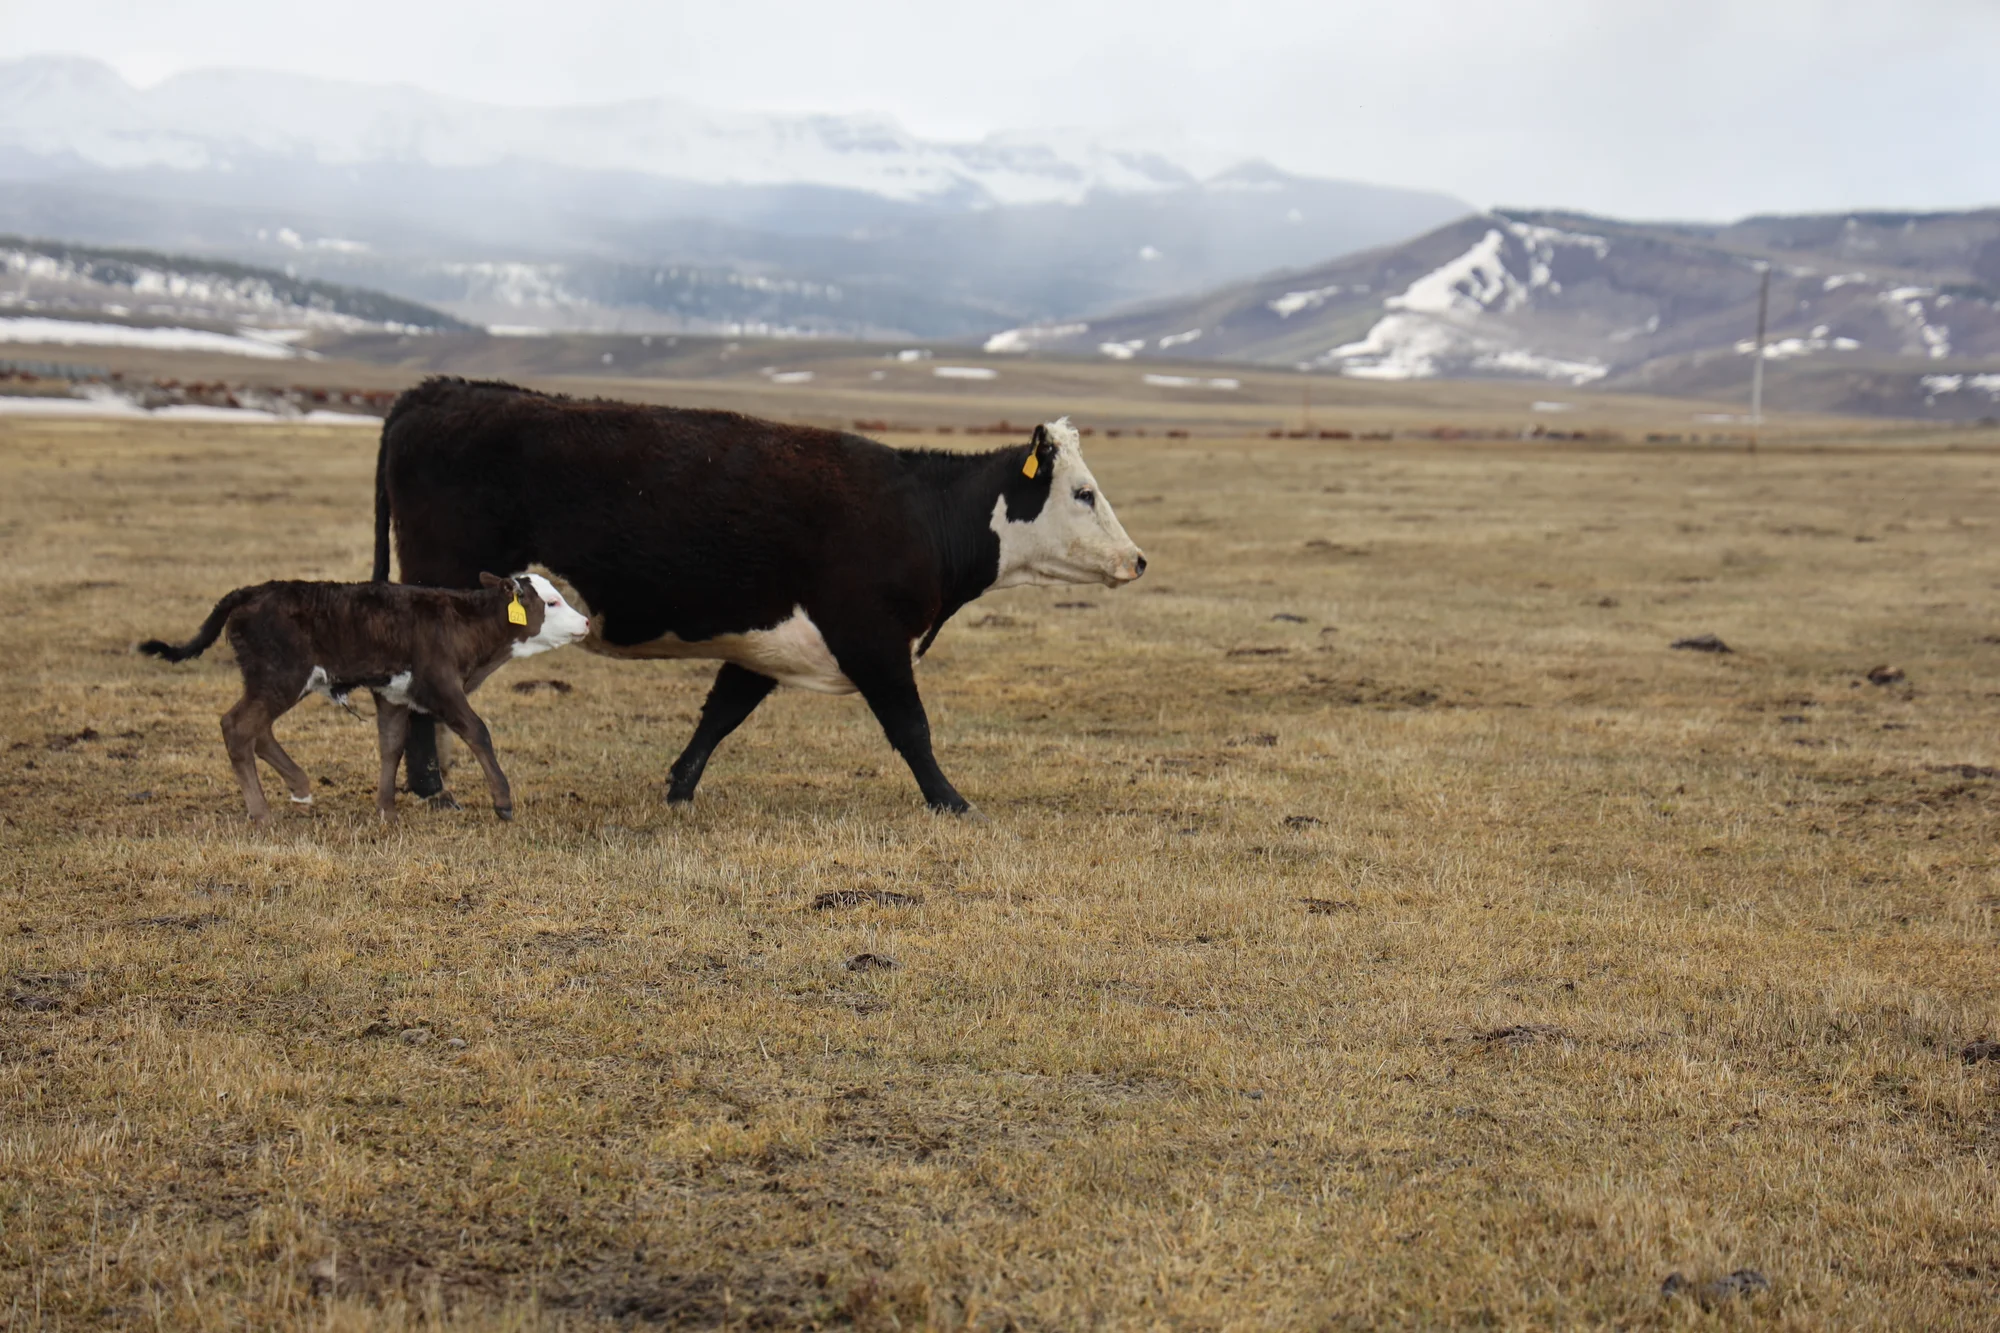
pixel 734 696
pixel 891 691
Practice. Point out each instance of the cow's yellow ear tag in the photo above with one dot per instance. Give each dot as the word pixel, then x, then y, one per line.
pixel 1032 466
pixel 516 613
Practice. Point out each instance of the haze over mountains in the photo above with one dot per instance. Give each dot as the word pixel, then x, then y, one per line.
pixel 651 214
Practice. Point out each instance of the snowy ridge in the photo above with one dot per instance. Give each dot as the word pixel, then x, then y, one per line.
pixel 214 119
pixel 1443 322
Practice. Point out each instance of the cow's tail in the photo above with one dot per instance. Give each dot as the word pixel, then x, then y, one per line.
pixel 381 574
pixel 206 635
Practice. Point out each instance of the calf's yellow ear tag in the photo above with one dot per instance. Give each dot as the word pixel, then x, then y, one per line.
pixel 1032 466
pixel 516 613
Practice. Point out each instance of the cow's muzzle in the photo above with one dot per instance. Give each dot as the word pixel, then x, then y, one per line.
pixel 1127 570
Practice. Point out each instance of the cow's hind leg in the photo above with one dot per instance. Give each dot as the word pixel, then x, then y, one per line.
pixel 734 696
pixel 295 777
pixel 890 688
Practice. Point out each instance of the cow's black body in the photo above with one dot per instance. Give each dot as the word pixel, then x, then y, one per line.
pixel 697 524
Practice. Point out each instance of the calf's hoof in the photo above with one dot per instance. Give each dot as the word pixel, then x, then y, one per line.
pixel 442 801
pixel 506 813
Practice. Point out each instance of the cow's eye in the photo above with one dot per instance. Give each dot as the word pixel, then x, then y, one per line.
pixel 1086 496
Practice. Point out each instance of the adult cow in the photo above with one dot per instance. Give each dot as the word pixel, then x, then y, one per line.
pixel 794 555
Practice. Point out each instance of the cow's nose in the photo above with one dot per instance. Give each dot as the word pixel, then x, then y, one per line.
pixel 1139 565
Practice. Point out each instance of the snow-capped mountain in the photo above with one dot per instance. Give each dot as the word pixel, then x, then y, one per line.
pixel 1576 300
pixel 218 119
pixel 393 186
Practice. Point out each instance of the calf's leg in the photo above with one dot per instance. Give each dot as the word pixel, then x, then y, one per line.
pixel 295 777
pixel 734 696
pixel 456 713
pixel 392 732
pixel 241 726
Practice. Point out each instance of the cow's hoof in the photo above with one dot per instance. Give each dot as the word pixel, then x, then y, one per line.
pixel 680 798
pixel 506 815
pixel 442 801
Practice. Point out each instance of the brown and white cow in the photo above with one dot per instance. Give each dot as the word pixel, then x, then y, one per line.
pixel 418 650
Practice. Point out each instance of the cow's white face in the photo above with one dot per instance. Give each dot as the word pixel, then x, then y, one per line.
pixel 561 623
pixel 1073 537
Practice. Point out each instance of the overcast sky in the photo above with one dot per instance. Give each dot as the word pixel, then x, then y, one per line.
pixel 1654 108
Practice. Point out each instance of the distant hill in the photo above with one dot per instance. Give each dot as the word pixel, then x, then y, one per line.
pixel 652 215
pixel 143 287
pixel 1873 312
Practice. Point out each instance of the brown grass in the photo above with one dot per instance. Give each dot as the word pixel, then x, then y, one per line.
pixel 1454 953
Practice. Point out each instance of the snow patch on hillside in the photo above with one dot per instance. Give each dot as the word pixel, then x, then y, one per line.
pixel 1932 340
pixel 84 333
pixel 1291 303
pixel 1469 285
pixel 1030 336
pixel 1988 384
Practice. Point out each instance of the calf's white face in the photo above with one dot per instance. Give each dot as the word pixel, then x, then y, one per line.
pixel 561 623
pixel 1074 538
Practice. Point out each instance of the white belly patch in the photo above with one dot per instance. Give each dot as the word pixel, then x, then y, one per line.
pixel 791 652
pixel 396 690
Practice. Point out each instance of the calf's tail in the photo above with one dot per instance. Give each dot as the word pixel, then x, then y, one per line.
pixel 206 635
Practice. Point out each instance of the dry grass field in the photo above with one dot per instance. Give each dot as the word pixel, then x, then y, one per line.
pixel 1378 925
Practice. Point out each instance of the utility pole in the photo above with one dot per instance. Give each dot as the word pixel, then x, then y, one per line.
pixel 1757 367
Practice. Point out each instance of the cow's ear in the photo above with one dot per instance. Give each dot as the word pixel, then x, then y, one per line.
pixel 1041 455
pixel 490 580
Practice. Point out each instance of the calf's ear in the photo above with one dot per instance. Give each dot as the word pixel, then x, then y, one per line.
pixel 490 580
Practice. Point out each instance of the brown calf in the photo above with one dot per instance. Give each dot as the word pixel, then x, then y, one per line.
pixel 415 649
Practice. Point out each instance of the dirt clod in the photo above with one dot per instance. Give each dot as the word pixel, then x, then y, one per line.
pixel 550 684
pixel 1286 617
pixel 1967 771
pixel 1983 1049
pixel 1702 643
pixel 1329 906
pixel 1744 1283
pixel 870 962
pixel 1520 1034
pixel 1884 675
pixel 863 898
